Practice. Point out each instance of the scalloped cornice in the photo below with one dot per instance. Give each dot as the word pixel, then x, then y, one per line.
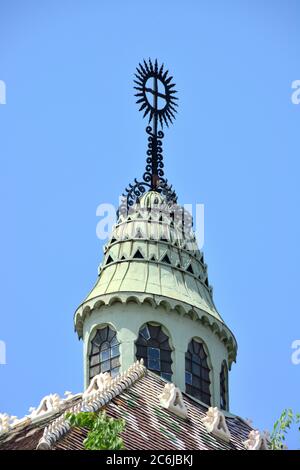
pixel 155 301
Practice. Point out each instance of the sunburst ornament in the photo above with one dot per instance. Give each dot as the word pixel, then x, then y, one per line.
pixel 156 96
pixel 155 93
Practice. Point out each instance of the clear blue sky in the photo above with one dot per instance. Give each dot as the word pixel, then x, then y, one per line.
pixel 72 138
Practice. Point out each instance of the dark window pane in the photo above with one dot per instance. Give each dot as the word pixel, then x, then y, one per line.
pixel 165 366
pixel 153 346
pixel 94 371
pixel 114 362
pixel 114 372
pixel 97 340
pixel 205 374
pixel 195 369
pixel 161 337
pixel 105 366
pixel 105 346
pixel 145 333
pixel 196 348
pixel 165 346
pixel 105 349
pixel 114 351
pixel 196 382
pixel 196 359
pixel 94 360
pixel 166 376
pixel 114 341
pixel 104 355
pixel 141 351
pixel 206 399
pixel 223 387
pixel 110 334
pixel 95 349
pixel 153 353
pixel 197 372
pixel 154 331
pixel 188 378
pixel 205 387
pixel 165 355
pixel 153 364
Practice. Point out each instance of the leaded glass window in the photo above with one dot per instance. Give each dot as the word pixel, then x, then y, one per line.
pixel 197 380
pixel 105 354
pixel 224 387
pixel 153 346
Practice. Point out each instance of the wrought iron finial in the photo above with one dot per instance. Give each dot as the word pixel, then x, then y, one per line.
pixel 156 96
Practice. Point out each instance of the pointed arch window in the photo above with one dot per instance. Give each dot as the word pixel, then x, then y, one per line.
pixel 153 346
pixel 197 380
pixel 105 353
pixel 224 387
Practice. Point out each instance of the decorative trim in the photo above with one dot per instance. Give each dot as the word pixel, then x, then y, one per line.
pixel 217 326
pixel 256 441
pixel 98 383
pixel 6 422
pixel 49 405
pixel 216 425
pixel 100 392
pixel 171 399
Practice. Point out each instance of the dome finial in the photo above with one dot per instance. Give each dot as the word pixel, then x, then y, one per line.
pixel 155 93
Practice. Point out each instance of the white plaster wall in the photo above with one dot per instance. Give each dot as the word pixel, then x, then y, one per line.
pixel 127 319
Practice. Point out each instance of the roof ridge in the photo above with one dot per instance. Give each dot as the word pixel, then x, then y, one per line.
pixel 92 402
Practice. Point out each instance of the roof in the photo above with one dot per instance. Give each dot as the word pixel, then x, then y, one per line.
pixel 168 262
pixel 134 396
pixel 152 257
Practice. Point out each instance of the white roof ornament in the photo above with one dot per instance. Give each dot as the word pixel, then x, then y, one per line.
pixel 6 422
pixel 256 441
pixel 69 395
pixel 102 390
pixel 43 444
pixel 216 425
pixel 98 383
pixel 48 405
pixel 171 399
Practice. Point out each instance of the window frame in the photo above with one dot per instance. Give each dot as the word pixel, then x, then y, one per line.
pixel 97 362
pixel 224 395
pixel 151 344
pixel 199 371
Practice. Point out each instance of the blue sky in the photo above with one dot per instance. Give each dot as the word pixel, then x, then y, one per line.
pixel 72 138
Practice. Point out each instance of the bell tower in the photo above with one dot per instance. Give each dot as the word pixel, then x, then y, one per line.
pixel 152 299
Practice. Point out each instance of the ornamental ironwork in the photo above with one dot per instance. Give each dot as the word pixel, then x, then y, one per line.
pixel 155 94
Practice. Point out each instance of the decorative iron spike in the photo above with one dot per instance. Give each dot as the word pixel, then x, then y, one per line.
pixel 148 76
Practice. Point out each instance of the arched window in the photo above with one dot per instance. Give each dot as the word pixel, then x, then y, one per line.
pixel 105 354
pixel 153 346
pixel 197 381
pixel 224 387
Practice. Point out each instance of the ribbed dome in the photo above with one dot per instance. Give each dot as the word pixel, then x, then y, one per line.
pixel 149 252
pixel 151 199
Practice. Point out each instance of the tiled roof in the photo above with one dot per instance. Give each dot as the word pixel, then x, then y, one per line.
pixel 148 424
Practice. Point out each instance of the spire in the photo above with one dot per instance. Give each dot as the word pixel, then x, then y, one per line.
pixel 156 97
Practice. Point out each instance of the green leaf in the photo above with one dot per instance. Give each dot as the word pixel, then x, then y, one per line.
pixel 103 431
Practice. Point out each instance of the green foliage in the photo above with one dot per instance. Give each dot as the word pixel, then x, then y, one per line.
pixel 281 428
pixel 103 431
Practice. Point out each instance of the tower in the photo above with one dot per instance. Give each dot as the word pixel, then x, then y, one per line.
pixel 152 299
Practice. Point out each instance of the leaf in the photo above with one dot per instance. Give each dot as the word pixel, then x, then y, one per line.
pixel 103 431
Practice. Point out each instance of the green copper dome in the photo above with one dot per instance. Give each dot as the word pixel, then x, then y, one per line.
pixel 150 255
